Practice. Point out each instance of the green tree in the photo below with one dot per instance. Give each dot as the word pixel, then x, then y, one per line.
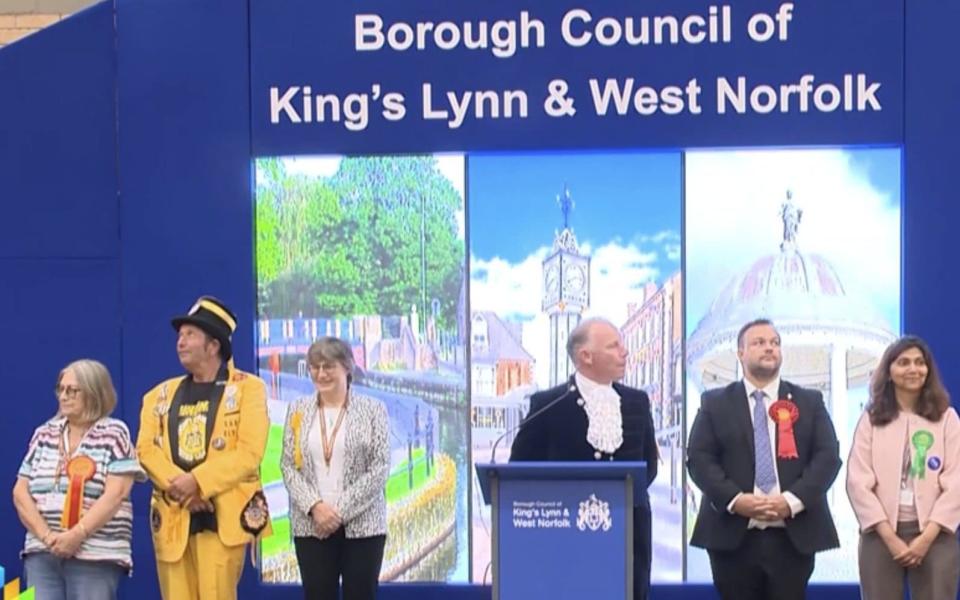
pixel 298 220
pixel 379 236
pixel 407 231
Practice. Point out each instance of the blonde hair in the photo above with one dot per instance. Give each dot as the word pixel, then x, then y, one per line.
pixel 93 379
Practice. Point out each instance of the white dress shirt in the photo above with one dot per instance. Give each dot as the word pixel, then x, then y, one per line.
pixel 770 392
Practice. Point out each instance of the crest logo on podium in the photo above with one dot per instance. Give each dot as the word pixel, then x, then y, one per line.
pixel 594 515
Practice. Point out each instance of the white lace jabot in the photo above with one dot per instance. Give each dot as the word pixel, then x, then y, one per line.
pixel 605 421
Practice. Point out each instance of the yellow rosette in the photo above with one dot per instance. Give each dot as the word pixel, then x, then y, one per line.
pixel 295 422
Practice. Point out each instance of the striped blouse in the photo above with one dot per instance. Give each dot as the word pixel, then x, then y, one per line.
pixel 107 442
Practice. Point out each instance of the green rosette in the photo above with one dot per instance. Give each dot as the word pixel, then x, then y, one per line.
pixel 922 441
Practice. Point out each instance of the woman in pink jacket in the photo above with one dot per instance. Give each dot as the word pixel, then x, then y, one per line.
pixel 903 479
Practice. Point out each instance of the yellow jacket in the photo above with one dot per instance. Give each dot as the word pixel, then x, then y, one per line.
pixel 230 475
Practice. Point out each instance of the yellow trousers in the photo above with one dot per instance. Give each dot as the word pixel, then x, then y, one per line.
pixel 208 570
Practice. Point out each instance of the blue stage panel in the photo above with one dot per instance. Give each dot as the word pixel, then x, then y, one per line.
pixel 58 176
pixel 930 213
pixel 53 312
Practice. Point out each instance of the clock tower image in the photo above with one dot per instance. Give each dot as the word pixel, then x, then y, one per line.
pixel 566 292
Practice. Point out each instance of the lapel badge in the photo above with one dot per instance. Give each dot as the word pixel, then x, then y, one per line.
pixel 219 443
pixel 231 394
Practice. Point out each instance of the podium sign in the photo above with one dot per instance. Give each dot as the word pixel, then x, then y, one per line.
pixel 562 530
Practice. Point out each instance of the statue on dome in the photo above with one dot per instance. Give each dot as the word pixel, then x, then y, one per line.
pixel 791 215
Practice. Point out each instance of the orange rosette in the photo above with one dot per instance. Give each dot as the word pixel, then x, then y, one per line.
pixel 80 470
pixel 784 413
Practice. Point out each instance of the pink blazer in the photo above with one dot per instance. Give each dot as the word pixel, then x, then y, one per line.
pixel 876 458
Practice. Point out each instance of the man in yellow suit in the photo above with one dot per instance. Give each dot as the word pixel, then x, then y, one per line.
pixel 201 441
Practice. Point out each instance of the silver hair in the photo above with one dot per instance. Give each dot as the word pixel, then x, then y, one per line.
pixel 581 333
pixel 93 379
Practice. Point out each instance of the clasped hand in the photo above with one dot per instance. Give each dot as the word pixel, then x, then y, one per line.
pixel 64 544
pixel 762 508
pixel 909 555
pixel 326 519
pixel 185 490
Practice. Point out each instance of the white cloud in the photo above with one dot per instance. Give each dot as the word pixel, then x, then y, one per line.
pixel 672 252
pixel 312 166
pixel 659 237
pixel 733 202
pixel 452 167
pixel 617 276
pixel 507 289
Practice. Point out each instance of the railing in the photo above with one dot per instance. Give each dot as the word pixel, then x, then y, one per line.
pixel 450 394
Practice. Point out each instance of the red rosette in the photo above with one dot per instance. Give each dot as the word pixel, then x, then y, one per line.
pixel 784 413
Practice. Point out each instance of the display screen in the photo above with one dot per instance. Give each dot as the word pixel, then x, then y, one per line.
pixel 371 250
pixel 456 279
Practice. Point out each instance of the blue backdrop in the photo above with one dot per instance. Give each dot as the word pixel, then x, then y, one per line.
pixel 127 131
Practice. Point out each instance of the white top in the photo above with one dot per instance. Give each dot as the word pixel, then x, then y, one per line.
pixel 329 479
pixel 604 419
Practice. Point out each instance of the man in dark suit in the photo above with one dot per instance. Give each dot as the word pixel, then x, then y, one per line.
pixel 596 419
pixel 764 512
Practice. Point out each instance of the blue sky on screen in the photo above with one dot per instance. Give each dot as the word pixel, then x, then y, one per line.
pixel 626 218
pixel 626 197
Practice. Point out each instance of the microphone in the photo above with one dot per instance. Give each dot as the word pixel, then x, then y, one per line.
pixel 493 453
pixel 530 417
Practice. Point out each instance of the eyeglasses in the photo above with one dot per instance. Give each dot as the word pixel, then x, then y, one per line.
pixel 70 391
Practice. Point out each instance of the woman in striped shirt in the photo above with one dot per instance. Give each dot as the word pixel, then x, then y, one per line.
pixel 73 489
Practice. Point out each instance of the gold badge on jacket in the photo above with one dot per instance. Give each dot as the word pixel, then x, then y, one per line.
pixel 255 514
pixel 192 434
